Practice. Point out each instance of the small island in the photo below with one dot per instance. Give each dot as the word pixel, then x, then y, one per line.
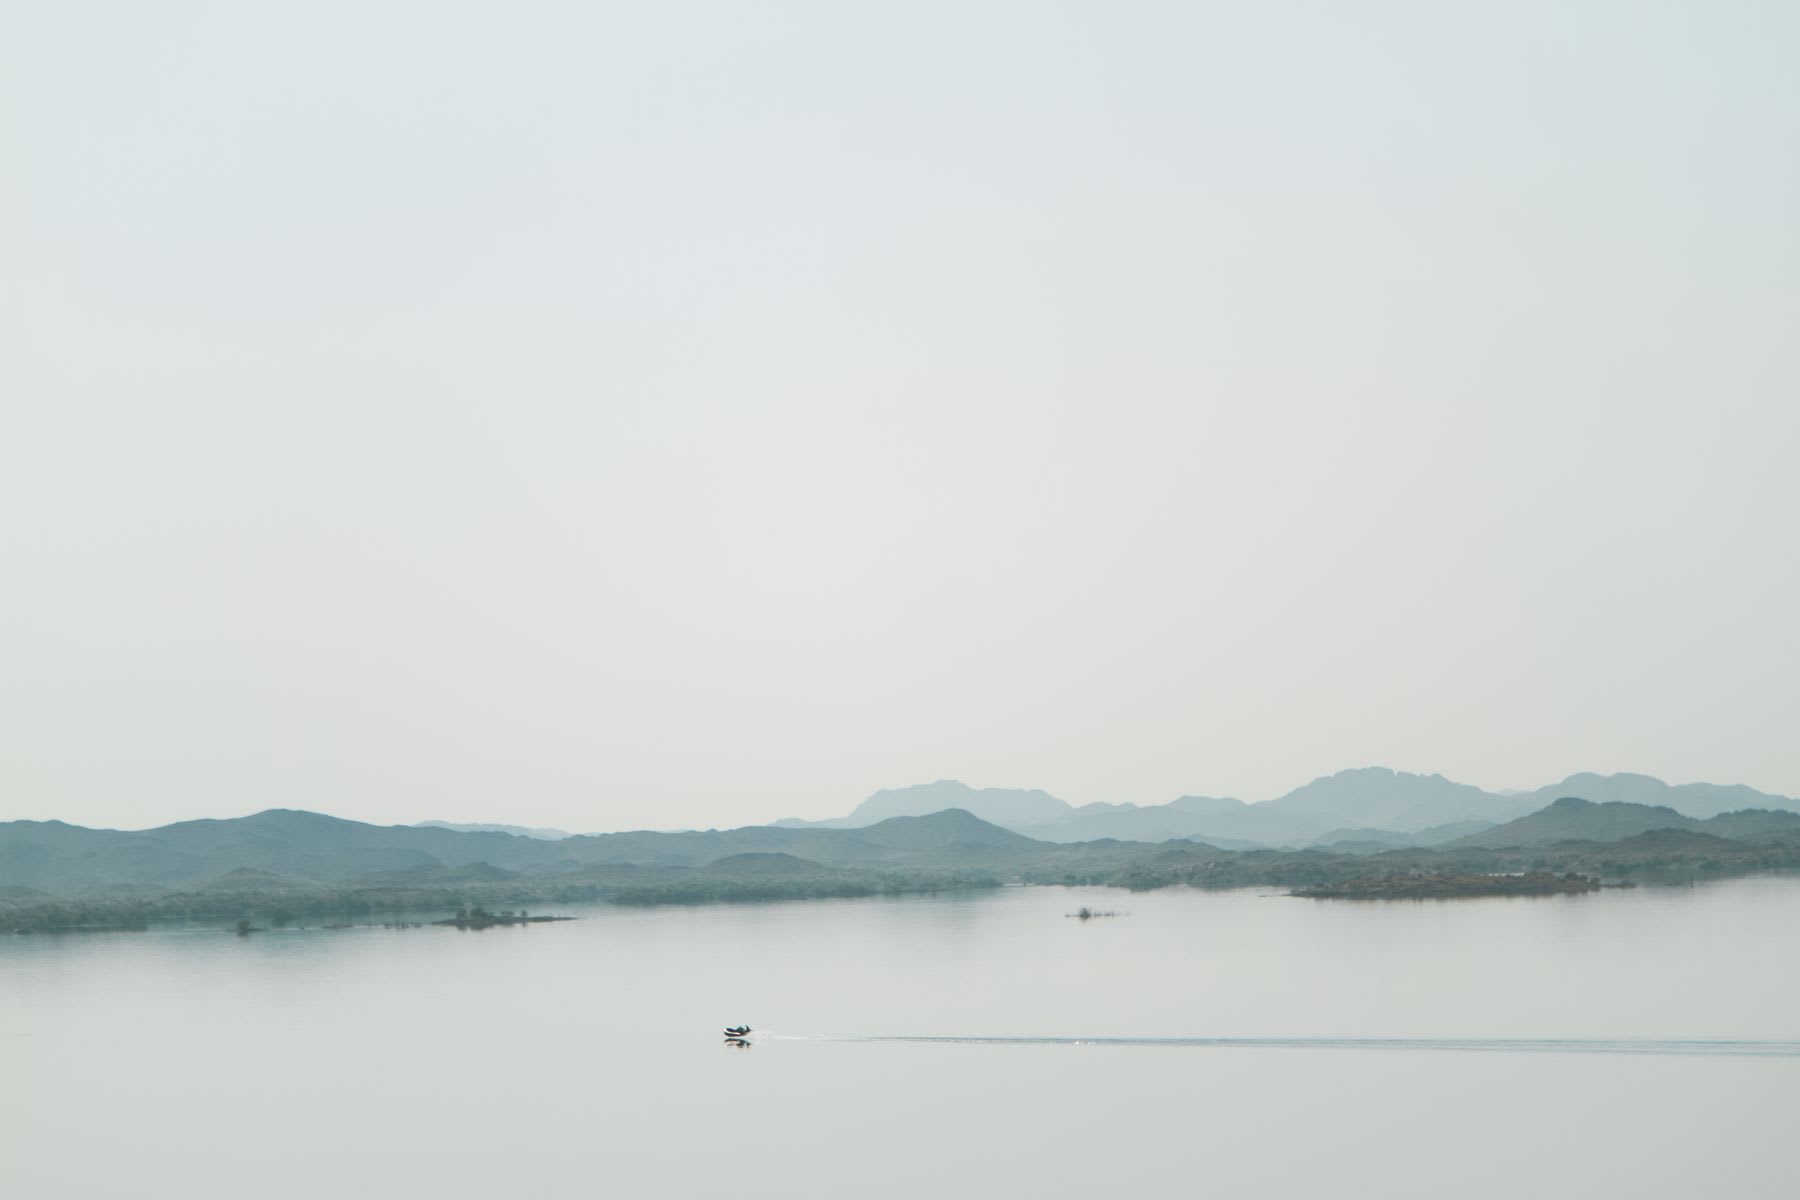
pixel 1084 913
pixel 1428 886
pixel 481 918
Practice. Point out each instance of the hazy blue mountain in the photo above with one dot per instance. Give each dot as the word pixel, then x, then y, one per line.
pixel 298 846
pixel 286 848
pixel 1133 823
pixel 1000 806
pixel 1368 800
pixel 1367 807
pixel 548 835
pixel 1690 799
pixel 953 826
pixel 1371 805
pixel 1574 819
pixel 1379 798
pixel 55 856
pixel 1207 806
pixel 1039 815
pixel 1362 841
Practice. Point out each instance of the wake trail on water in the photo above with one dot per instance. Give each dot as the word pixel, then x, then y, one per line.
pixel 1711 1047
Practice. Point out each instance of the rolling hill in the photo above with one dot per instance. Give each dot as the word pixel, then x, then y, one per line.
pixel 1370 807
pixel 290 848
pixel 1572 819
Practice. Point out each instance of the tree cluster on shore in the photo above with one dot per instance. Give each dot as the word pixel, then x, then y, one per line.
pixel 1426 885
pixel 476 906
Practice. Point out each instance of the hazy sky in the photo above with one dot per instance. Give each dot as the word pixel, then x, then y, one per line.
pixel 688 414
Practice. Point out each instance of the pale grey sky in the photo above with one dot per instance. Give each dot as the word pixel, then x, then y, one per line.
pixel 687 414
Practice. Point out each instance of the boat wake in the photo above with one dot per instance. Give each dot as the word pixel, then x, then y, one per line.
pixel 1709 1047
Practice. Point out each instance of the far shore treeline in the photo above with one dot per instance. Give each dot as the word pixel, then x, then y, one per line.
pixel 284 866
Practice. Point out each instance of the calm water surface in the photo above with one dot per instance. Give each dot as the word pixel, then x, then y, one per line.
pixel 583 1059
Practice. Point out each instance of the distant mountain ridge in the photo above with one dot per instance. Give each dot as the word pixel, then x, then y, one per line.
pixel 292 848
pixel 1371 806
pixel 1573 819
pixel 1700 800
pixel 1008 807
pixel 548 835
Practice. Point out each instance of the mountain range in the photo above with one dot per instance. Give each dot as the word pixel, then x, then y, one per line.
pixel 288 847
pixel 548 835
pixel 943 826
pixel 284 862
pixel 1365 807
pixel 1573 819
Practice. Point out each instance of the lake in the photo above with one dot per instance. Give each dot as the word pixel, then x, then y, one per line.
pixel 583 1058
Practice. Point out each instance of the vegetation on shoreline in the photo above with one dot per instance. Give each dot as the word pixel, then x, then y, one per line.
pixel 1662 856
pixel 1428 886
pixel 342 907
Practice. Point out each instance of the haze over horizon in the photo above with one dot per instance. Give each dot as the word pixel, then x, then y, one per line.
pixel 700 415
pixel 849 805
